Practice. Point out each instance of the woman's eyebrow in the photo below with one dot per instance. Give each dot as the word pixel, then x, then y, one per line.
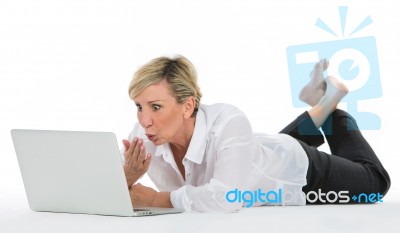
pixel 152 101
pixel 149 102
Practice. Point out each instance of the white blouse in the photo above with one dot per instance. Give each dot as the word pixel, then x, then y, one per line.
pixel 227 166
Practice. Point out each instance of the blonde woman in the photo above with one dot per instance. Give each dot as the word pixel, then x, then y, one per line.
pixel 201 157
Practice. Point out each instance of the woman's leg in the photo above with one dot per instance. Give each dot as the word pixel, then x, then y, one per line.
pixel 353 167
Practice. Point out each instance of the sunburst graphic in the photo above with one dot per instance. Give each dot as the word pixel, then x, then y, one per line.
pixel 343 19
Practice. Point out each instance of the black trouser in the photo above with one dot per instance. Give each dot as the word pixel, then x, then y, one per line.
pixel 353 165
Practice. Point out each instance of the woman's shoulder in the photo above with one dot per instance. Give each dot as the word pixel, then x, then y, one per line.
pixel 221 113
pixel 220 108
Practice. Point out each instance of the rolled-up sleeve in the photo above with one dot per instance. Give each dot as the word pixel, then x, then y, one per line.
pixel 180 199
pixel 210 197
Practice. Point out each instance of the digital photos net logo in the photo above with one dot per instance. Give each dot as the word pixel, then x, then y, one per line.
pixel 251 197
pixel 353 61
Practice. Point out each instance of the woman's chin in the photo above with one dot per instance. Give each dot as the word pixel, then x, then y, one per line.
pixel 157 142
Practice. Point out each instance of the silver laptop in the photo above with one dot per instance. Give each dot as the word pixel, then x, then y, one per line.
pixel 75 172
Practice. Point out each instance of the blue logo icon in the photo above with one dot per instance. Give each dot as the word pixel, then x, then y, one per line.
pixel 353 61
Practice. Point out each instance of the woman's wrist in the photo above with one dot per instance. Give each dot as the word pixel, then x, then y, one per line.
pixel 162 199
pixel 131 180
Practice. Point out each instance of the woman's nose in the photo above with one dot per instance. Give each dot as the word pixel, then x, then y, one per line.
pixel 145 120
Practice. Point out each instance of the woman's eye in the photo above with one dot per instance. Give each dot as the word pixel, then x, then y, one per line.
pixel 139 107
pixel 156 107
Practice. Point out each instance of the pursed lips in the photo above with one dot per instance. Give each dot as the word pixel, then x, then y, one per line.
pixel 151 137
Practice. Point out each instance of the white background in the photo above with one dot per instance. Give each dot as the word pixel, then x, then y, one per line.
pixel 67 64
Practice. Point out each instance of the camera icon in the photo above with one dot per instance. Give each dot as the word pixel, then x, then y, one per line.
pixel 352 61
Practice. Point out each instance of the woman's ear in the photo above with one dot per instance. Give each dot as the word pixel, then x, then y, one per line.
pixel 189 106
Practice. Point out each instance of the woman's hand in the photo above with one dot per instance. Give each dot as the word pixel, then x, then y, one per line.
pixel 142 196
pixel 136 161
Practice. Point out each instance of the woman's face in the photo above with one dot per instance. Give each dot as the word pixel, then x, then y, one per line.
pixel 159 113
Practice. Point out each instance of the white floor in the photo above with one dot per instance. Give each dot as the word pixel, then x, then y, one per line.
pixel 15 216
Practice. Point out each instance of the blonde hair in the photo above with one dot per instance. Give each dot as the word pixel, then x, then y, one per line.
pixel 178 71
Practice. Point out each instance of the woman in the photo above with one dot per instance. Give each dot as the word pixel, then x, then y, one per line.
pixel 206 158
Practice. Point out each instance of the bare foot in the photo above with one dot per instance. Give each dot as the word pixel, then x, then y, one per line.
pixel 335 91
pixel 315 89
